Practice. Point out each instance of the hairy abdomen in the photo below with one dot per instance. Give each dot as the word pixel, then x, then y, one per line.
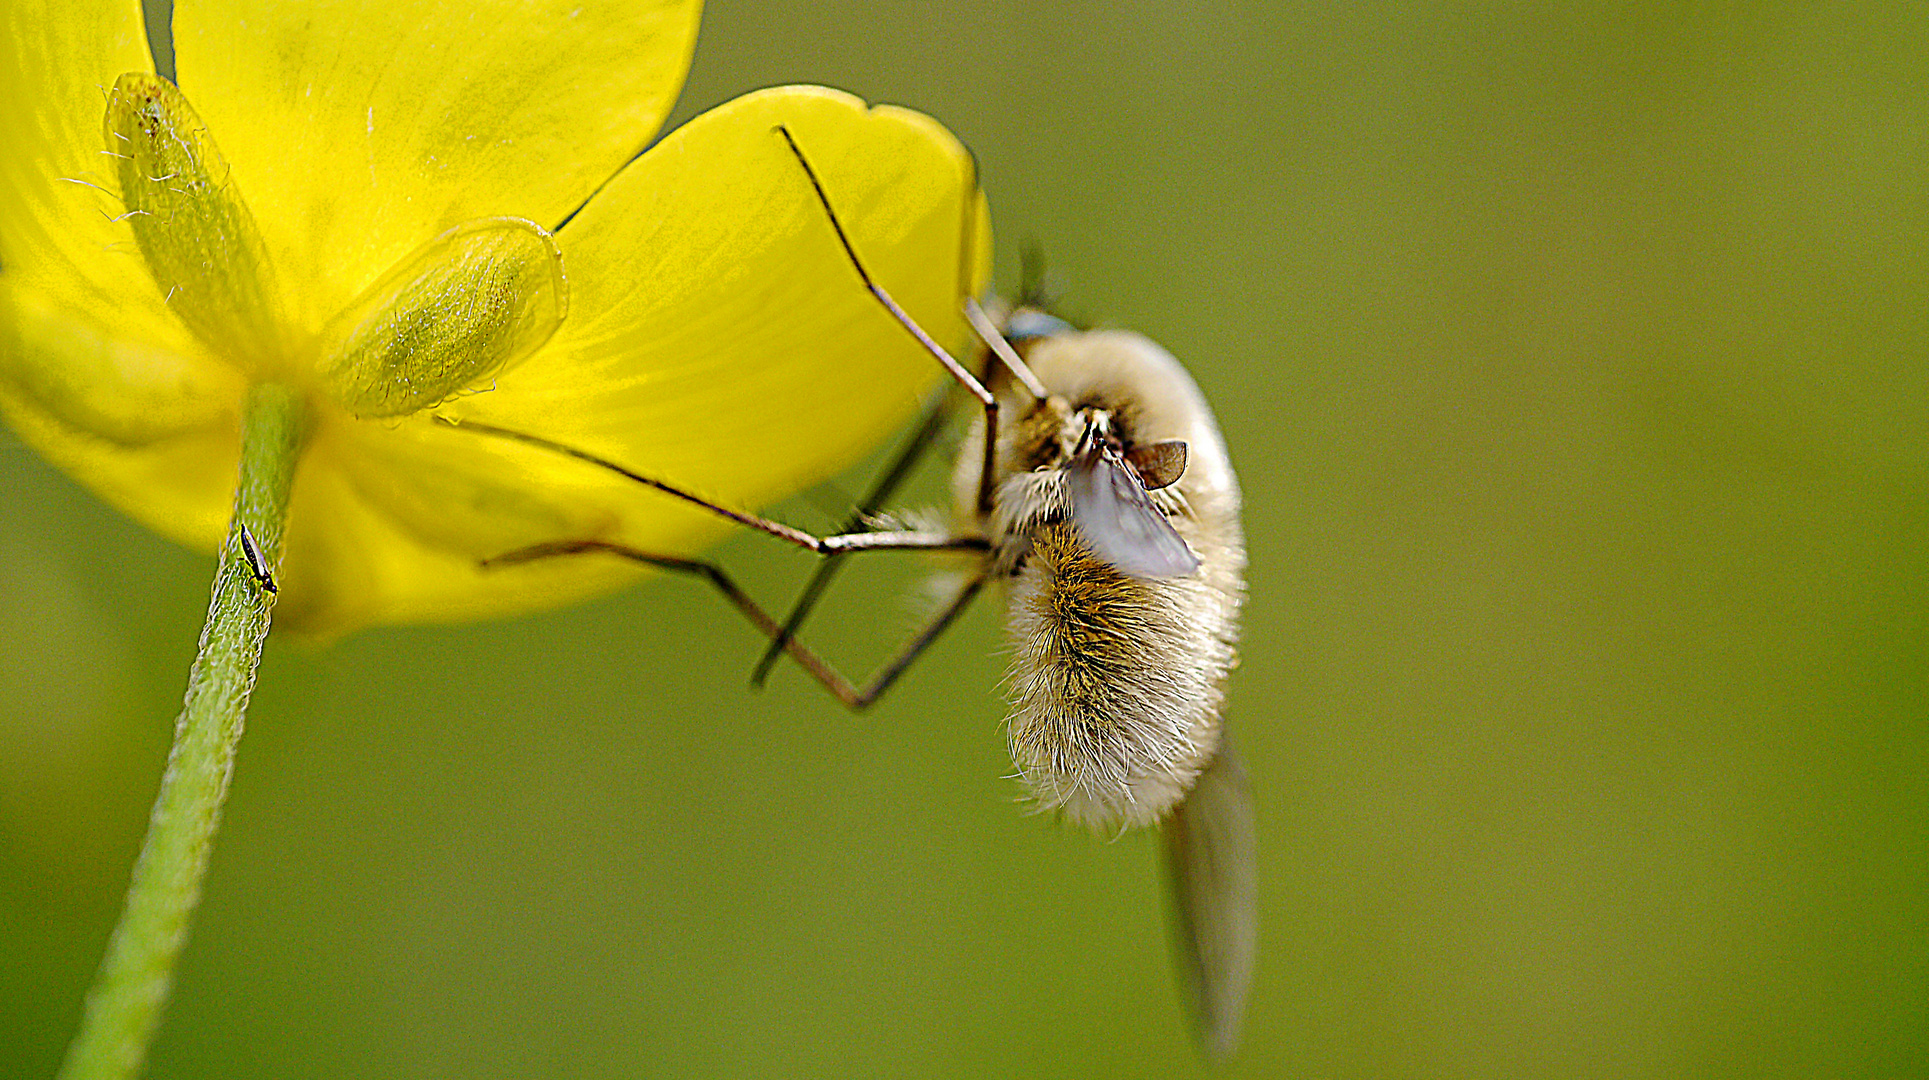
pixel 1116 682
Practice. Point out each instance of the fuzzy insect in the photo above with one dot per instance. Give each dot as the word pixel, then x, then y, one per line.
pixel 1096 489
pixel 1114 520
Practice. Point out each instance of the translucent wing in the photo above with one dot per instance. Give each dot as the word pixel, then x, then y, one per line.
pixel 1117 518
pixel 1211 860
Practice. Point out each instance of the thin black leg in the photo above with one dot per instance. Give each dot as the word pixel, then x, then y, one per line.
pixel 913 450
pixel 841 688
pixel 822 545
pixel 964 378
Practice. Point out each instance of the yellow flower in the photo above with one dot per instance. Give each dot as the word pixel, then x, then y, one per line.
pixel 407 208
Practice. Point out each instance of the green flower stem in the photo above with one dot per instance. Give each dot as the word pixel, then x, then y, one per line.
pixel 125 1003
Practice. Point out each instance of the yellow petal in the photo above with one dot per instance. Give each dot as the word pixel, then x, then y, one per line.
pixel 717 337
pixel 95 372
pixel 718 333
pixel 472 302
pixel 358 131
pixel 181 486
pixel 391 524
pixel 116 415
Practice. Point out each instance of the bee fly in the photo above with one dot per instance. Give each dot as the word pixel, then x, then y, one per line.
pixel 1096 489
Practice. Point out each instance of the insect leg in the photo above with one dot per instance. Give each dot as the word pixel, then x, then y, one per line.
pixel 914 448
pixel 762 524
pixel 827 545
pixel 832 680
pixel 824 673
pixel 916 646
pixel 964 377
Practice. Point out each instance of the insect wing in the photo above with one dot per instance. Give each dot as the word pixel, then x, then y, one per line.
pixel 1117 518
pixel 1158 464
pixel 1212 862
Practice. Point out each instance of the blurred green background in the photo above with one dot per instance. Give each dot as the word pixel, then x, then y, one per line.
pixel 1574 363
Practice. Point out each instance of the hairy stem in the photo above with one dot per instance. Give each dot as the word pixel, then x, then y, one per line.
pixel 125 1003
